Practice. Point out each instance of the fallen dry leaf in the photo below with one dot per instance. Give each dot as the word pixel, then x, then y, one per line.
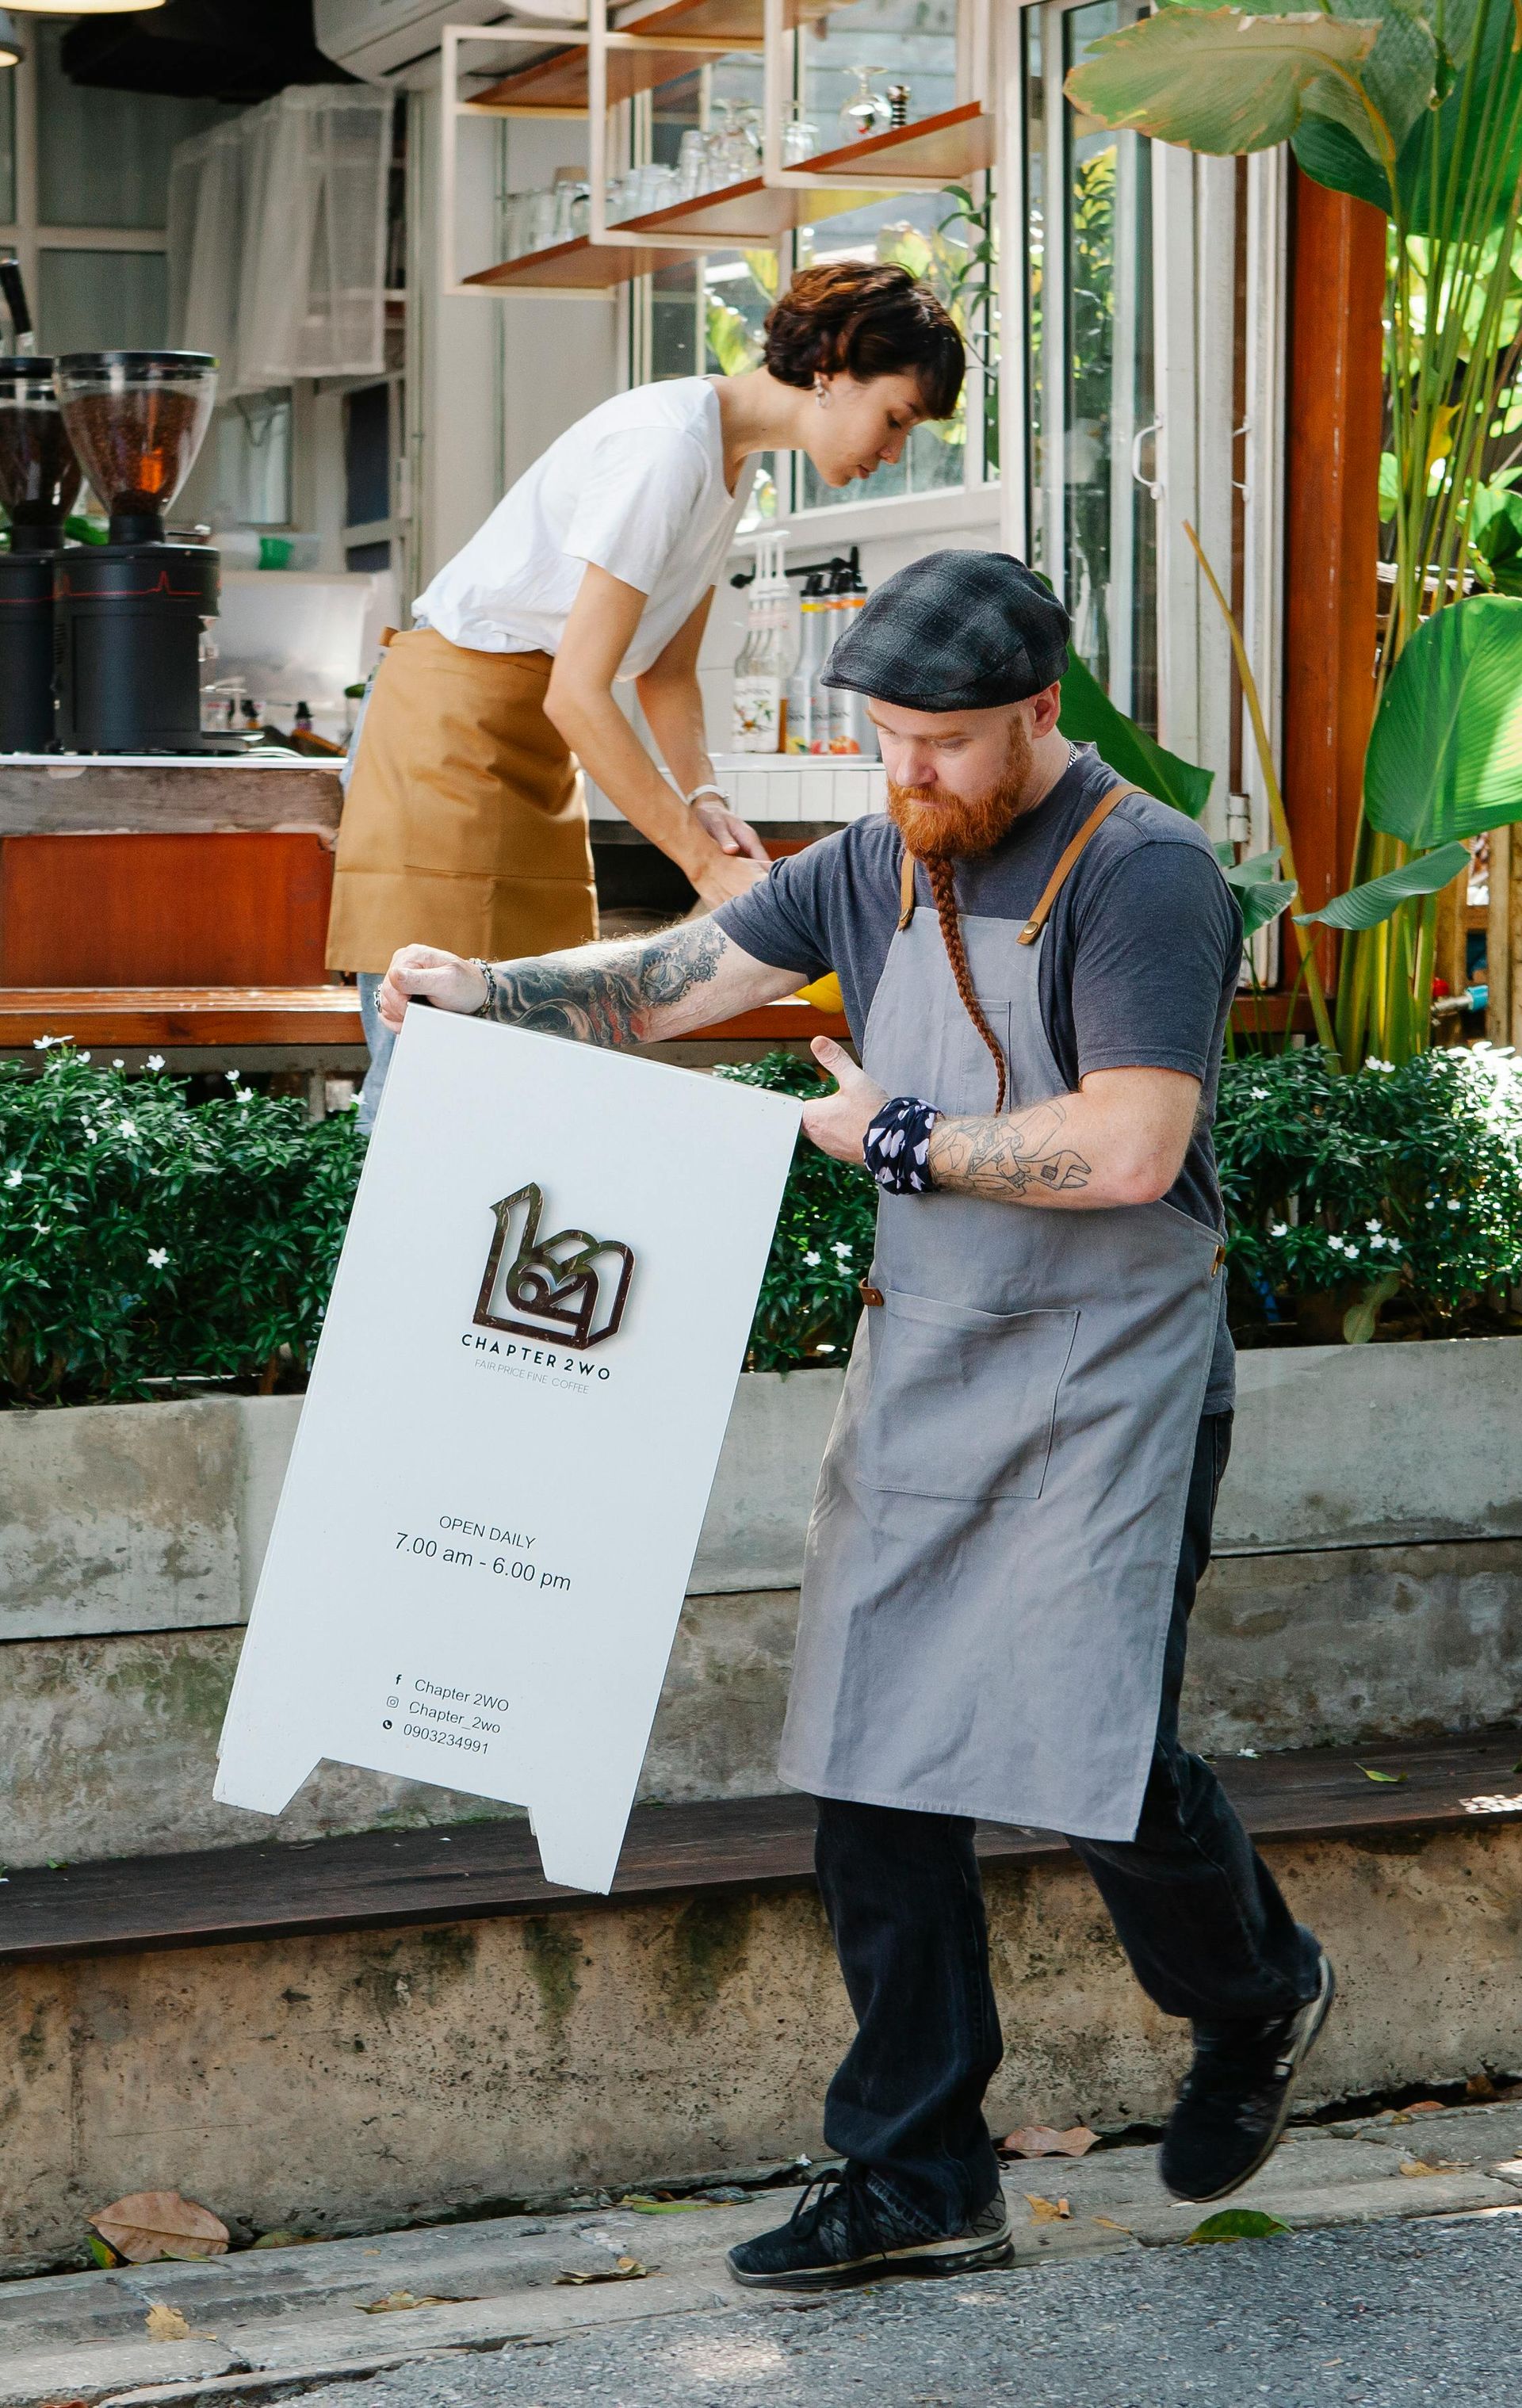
pixel 395 2303
pixel 1426 2107
pixel 1048 2211
pixel 1438 2166
pixel 1041 2141
pixel 624 2270
pixel 167 2324
pixel 296 2241
pixel 1109 2224
pixel 150 2224
pixel 1391 1780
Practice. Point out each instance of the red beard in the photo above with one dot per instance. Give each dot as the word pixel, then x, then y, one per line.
pixel 938 826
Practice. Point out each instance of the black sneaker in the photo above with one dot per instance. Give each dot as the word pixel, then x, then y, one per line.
pixel 840 2233
pixel 1235 2101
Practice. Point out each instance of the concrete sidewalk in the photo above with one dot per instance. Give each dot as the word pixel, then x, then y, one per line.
pixel 268 2324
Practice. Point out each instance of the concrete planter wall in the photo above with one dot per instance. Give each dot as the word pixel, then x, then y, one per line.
pixel 1366 1584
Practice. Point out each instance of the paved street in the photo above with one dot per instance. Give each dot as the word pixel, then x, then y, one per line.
pixel 1397 2280
pixel 1386 2314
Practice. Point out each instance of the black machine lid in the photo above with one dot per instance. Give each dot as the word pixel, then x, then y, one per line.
pixel 24 368
pixel 136 363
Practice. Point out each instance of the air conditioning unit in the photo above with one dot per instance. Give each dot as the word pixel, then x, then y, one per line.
pixel 379 38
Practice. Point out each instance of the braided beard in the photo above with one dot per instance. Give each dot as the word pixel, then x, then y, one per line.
pixel 938 826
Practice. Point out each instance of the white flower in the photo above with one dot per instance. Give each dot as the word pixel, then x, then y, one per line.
pixel 1453 1203
pixel 245 1094
pixel 154 1062
pixel 118 1064
pixel 84 1057
pixel 158 1256
pixel 1336 1245
pixel 127 1128
pixel 1247 1751
pixel 232 1076
pixel 1374 1063
pixel 1373 1226
pixel 824 1350
pixel 1278 1228
pixel 1378 1241
pixel 1257 1091
pixel 812 1259
pixel 841 1252
pixel 13 1179
pixel 40 1044
pixel 42 1228
pixel 88 1131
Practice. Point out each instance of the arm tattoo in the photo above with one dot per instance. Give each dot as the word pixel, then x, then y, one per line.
pixel 603 995
pixel 1007 1157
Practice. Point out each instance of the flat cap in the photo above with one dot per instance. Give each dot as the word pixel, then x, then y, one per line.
pixel 955 631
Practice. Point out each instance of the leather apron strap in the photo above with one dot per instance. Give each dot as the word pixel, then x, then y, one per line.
pixel 1067 859
pixel 1054 884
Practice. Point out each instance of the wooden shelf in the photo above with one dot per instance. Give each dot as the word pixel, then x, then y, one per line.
pixel 952 145
pixel 559 85
pixel 576 267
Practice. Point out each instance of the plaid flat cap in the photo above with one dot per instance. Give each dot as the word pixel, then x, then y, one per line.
pixel 955 631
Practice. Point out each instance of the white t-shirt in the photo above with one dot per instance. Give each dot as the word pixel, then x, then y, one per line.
pixel 636 486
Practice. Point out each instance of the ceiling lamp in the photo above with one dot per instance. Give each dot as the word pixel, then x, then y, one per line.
pixel 76 8
pixel 10 49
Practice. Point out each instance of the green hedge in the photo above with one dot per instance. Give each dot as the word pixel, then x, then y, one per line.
pixel 146 1239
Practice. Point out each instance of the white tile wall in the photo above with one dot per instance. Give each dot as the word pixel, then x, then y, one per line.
pixel 785 787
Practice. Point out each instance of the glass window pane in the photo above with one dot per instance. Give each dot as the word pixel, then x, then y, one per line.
pixel 103 157
pixel 927 232
pixel 243 476
pixel 855 53
pixel 1089 310
pixel 8 146
pixel 103 301
pixel 366 455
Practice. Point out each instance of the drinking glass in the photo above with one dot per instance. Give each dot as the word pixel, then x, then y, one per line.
pixel 542 219
pixel 692 164
pixel 800 141
pixel 865 112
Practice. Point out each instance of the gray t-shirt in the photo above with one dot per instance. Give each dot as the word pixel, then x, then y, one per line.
pixel 1138 968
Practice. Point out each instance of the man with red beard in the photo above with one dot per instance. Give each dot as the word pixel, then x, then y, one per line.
pixel 1037 962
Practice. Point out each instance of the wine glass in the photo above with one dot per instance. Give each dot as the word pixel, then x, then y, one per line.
pixel 864 112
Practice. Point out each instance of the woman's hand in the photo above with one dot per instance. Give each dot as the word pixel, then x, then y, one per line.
pixel 446 981
pixel 730 833
pixel 838 1124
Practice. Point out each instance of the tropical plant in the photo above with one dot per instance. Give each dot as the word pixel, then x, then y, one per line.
pixel 1415 105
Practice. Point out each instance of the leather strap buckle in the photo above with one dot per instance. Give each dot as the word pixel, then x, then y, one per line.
pixel 869 1295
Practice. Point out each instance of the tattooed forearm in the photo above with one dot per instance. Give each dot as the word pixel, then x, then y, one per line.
pixel 1014 1157
pixel 603 995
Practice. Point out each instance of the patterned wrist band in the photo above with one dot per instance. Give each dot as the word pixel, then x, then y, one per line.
pixel 896 1149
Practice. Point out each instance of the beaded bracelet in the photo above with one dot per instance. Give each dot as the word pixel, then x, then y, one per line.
pixel 483 1008
pixel 897 1146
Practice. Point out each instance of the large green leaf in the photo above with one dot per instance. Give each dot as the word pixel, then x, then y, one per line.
pixel 1445 758
pixel 1495 530
pixel 1262 893
pixel 1088 716
pixel 1366 906
pixel 1214 80
pixel 1332 155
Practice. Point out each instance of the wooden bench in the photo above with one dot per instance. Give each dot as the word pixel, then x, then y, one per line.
pixel 383 1879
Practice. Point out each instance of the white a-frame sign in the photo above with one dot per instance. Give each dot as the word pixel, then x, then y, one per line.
pixel 515 1418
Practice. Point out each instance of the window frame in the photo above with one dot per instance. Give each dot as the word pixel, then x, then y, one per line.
pixel 29 234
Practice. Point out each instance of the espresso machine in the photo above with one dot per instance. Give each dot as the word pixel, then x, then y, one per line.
pixel 131 612
pixel 39 485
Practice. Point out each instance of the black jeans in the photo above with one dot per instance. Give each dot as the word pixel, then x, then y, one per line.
pixel 1196 1908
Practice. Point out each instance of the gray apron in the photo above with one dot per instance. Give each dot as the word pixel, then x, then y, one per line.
pixel 988 1580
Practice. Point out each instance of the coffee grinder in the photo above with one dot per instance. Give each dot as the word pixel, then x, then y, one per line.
pixel 131 612
pixel 39 484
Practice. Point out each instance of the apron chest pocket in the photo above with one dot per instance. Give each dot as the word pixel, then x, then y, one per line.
pixel 962 1402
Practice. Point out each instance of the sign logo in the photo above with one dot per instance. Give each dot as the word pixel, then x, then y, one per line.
pixel 571 1288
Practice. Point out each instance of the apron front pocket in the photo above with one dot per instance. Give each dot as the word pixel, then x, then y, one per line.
pixel 962 1403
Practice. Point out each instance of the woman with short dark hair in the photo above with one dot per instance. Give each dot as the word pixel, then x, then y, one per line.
pixel 464 824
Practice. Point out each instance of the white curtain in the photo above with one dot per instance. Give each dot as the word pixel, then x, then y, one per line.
pixel 205 245
pixel 277 238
